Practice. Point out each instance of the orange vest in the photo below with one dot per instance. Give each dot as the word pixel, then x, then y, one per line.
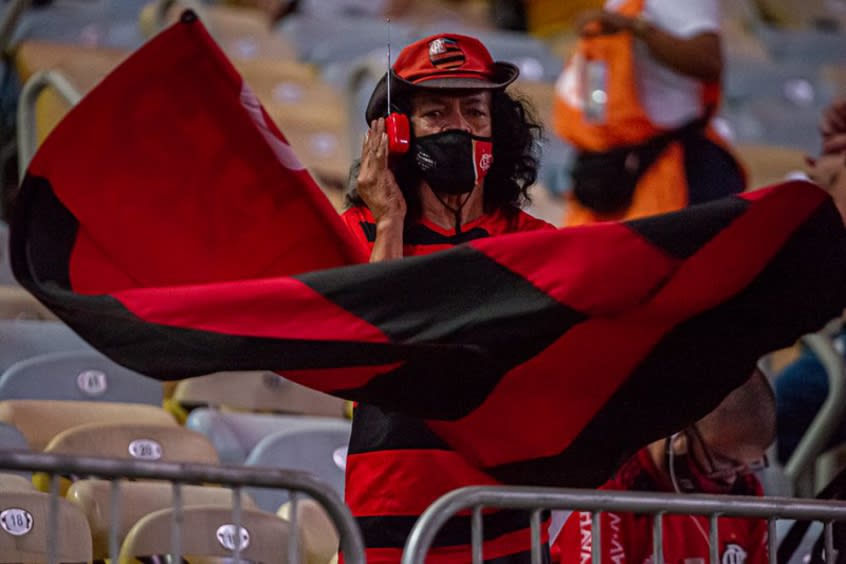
pixel 663 187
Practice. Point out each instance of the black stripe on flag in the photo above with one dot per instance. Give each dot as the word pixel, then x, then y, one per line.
pixel 483 294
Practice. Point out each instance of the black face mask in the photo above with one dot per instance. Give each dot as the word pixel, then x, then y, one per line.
pixel 453 161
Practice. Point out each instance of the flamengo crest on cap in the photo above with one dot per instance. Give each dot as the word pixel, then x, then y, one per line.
pixel 445 53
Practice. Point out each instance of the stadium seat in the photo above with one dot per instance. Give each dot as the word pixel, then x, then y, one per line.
pixel 10 482
pixel 320 539
pixel 235 435
pixel 21 339
pixel 263 537
pixel 316 447
pixel 322 41
pixel 137 499
pixel 101 23
pixel 255 391
pixel 243 32
pixel 41 420
pixel 11 438
pixel 139 441
pixel 25 531
pixel 77 375
pixel 143 442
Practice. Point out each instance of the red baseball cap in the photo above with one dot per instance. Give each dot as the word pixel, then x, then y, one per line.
pixel 443 61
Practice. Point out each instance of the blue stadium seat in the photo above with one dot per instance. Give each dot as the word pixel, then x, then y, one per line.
pixel 77 375
pixel 100 23
pixel 22 339
pixel 316 447
pixel 235 435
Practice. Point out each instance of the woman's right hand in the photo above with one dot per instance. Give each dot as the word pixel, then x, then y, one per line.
pixel 377 184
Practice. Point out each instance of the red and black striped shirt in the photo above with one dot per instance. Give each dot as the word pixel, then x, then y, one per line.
pixel 397 466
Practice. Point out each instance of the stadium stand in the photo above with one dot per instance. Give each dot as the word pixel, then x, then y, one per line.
pixel 783 67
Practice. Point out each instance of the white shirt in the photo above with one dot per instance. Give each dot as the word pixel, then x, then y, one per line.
pixel 669 98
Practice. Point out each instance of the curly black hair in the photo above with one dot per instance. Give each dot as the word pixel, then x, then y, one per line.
pixel 516 149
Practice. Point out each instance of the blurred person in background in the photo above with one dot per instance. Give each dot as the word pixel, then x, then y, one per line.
pixel 716 455
pixel 636 101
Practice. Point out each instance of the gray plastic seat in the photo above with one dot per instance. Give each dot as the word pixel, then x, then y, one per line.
pixel 77 375
pixel 11 438
pixel 316 447
pixel 321 40
pixel 101 23
pixel 22 339
pixel 235 435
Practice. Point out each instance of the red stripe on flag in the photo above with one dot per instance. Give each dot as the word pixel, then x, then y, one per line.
pixel 281 308
pixel 199 185
pixel 587 250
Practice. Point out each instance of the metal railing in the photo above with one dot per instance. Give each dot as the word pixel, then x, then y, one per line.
pixel 799 469
pixel 656 504
pixel 27 130
pixel 234 477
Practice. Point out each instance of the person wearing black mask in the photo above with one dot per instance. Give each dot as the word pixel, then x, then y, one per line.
pixel 471 156
pixel 469 162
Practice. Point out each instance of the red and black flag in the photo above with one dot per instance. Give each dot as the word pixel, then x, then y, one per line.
pixel 168 223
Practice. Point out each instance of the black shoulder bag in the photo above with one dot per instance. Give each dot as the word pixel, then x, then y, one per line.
pixel 605 181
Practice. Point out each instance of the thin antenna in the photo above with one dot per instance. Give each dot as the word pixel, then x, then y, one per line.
pixel 388 76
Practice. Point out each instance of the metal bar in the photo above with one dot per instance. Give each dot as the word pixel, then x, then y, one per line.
pixel 596 537
pixel 293 541
pixel 829 542
pixel 53 521
pixel 351 542
pixel 772 540
pixel 476 535
pixel 9 24
pixel 114 525
pixel 534 521
pixel 176 524
pixel 27 131
pixel 829 416
pixel 658 538
pixel 237 519
pixel 516 497
pixel 714 539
